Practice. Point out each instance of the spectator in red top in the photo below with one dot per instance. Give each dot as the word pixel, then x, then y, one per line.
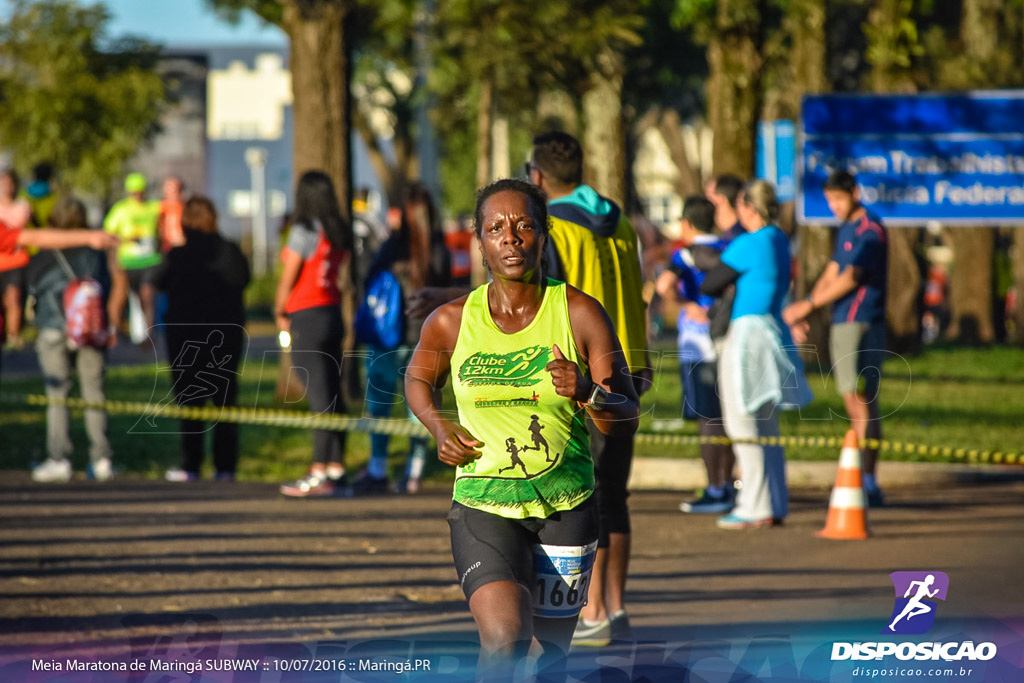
pixel 308 307
pixel 171 207
pixel 16 213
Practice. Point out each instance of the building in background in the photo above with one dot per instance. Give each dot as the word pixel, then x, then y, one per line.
pixel 228 135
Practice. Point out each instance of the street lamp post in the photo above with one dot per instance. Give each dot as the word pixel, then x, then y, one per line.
pixel 256 158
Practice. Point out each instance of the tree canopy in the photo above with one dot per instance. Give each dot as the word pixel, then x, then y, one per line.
pixel 72 97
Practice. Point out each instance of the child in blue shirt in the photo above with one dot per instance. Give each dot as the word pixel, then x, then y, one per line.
pixel 698 365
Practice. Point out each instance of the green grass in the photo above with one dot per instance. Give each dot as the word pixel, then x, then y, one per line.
pixel 958 397
pixel 948 396
pixel 267 453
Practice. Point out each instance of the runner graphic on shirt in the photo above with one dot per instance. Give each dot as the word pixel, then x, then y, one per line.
pixel 510 447
pixel 538 439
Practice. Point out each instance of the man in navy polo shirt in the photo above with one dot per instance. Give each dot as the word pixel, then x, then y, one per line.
pixel 854 282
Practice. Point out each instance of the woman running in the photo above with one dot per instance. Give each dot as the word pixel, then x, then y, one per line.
pixel 521 349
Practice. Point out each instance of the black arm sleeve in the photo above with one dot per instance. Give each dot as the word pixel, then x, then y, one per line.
pixel 705 257
pixel 720 277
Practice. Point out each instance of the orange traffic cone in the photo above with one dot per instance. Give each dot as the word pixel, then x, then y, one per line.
pixel 847 509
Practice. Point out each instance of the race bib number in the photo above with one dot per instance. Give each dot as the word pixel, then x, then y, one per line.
pixel 563 576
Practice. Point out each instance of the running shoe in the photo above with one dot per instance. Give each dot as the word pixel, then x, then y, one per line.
pixel 875 498
pixel 52 471
pixel 313 485
pixel 365 485
pixel 734 522
pixel 411 486
pixel 179 474
pixel 709 505
pixel 620 626
pixel 592 634
pixel 100 470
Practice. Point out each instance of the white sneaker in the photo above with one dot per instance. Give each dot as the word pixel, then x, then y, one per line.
pixel 179 475
pixel 50 471
pixel 102 470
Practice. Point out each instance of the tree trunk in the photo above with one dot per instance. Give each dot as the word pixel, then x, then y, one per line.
pixel 1015 317
pixel 320 82
pixel 970 285
pixel 604 137
pixel 500 148
pixel 556 110
pixel 484 138
pixel 889 52
pixel 805 24
pixel 671 128
pixel 903 302
pixel 385 170
pixel 891 47
pixel 980 26
pixel 734 88
pixel 321 73
pixel 815 252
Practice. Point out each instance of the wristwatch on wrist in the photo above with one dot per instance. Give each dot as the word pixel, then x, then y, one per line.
pixel 598 398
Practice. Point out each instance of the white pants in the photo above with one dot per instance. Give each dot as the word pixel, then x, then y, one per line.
pixel 762 468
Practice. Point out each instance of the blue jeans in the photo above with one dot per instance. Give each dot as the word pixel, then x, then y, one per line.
pixel 385 387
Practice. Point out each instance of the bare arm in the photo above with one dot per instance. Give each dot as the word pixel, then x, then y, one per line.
pixel 427 372
pixel 617 411
pixel 289 276
pixel 49 238
pixel 666 286
pixel 831 286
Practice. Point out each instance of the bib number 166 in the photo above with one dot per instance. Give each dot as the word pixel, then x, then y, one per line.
pixel 552 591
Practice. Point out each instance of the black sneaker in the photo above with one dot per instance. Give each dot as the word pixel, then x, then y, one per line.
pixel 709 505
pixel 365 485
pixel 875 498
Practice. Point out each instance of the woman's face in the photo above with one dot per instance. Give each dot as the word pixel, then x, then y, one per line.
pixel 511 240
pixel 749 218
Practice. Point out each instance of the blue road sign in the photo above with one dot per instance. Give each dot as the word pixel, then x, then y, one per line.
pixel 949 158
pixel 775 160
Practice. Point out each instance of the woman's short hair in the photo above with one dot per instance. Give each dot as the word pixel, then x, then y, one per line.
pixel 199 214
pixel 68 213
pixel 538 201
pixel 760 196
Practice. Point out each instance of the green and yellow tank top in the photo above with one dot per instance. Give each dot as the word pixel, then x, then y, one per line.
pixel 536 452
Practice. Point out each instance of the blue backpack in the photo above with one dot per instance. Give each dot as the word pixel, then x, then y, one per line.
pixel 380 320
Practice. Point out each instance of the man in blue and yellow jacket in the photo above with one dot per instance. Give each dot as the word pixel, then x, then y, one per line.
pixel 593 247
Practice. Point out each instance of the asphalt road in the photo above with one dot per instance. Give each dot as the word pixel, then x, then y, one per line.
pixel 223 576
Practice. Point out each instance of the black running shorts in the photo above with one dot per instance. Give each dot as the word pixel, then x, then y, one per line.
pixel 487 547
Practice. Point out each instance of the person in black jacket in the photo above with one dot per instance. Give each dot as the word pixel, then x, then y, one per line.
pixel 204 280
pixel 417 256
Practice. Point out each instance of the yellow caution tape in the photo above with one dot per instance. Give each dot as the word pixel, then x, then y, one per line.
pixel 404 427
